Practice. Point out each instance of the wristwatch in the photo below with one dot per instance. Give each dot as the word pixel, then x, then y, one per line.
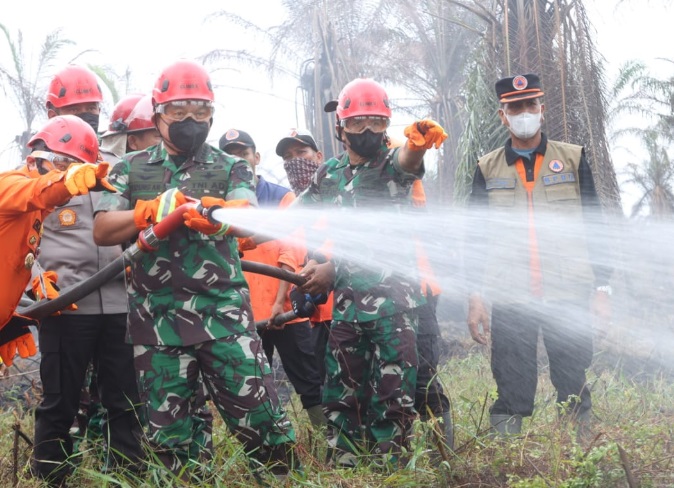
pixel 605 289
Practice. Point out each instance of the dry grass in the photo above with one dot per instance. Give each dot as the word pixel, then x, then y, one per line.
pixel 631 443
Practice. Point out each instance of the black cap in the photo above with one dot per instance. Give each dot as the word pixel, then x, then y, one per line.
pixel 296 135
pixel 235 137
pixel 519 87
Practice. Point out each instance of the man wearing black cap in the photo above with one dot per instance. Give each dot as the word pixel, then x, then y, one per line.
pixel 293 340
pixel 301 158
pixel 537 269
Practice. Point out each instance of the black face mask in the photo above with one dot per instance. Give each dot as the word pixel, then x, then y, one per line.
pixel 188 135
pixel 366 144
pixel 91 119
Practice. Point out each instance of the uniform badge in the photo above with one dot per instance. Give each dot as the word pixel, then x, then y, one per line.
pixel 232 134
pixel 520 82
pixel 67 217
pixel 32 240
pixel 29 261
pixel 556 166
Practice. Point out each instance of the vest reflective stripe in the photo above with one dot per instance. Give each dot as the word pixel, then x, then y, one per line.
pixel 534 257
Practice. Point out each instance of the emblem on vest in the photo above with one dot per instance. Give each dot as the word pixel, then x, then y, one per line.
pixel 67 217
pixel 556 166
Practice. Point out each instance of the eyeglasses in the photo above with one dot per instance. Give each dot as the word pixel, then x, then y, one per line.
pixel 56 161
pixel 356 125
pixel 178 111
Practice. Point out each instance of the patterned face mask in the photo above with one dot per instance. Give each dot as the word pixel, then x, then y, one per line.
pixel 299 171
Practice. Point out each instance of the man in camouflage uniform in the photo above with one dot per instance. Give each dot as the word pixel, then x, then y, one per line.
pixel 374 323
pixel 189 303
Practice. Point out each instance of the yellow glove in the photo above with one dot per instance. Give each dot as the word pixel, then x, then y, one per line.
pixel 16 337
pixel 424 134
pixel 46 288
pixel 195 221
pixel 149 212
pixel 82 177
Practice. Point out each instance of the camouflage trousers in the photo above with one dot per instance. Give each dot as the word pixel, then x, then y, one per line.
pixel 369 394
pixel 237 377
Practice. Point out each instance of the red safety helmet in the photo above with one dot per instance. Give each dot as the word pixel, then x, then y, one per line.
pixel 121 111
pixel 133 113
pixel 361 97
pixel 183 80
pixel 140 118
pixel 69 135
pixel 73 84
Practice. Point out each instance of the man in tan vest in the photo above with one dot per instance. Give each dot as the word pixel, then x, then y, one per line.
pixel 538 265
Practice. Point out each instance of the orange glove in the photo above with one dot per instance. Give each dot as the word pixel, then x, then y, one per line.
pixel 246 244
pixel 82 177
pixel 196 221
pixel 148 212
pixel 16 337
pixel 46 288
pixel 424 134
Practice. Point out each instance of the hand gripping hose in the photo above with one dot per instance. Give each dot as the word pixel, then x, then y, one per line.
pixel 147 241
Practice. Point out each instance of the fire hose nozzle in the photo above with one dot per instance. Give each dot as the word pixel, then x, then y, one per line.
pixel 208 213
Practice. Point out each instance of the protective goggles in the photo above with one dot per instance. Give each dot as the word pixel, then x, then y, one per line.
pixel 199 110
pixel 356 125
pixel 55 161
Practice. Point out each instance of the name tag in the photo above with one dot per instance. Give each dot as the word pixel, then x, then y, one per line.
pixel 500 183
pixel 559 178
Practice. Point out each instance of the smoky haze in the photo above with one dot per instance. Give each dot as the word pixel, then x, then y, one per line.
pixel 471 250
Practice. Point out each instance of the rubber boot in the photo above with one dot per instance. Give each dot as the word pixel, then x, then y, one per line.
pixel 275 462
pixel 583 425
pixel 504 424
pixel 449 429
pixel 316 417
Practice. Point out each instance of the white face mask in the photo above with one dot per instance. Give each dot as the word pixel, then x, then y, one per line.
pixel 525 125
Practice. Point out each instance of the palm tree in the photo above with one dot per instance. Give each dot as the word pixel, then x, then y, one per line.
pixel 26 87
pixel 654 178
pixel 553 39
pixel 448 53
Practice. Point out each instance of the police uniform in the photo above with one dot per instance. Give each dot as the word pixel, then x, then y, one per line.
pixel 374 322
pixel 94 333
pixel 189 313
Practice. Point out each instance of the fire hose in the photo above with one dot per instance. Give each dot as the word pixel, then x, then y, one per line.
pixel 147 242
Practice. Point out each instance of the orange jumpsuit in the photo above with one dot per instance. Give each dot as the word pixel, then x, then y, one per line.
pixel 26 197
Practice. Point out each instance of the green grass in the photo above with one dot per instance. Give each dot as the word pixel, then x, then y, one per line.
pixel 631 445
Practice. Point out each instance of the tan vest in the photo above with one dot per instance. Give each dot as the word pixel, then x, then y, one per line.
pixel 549 228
